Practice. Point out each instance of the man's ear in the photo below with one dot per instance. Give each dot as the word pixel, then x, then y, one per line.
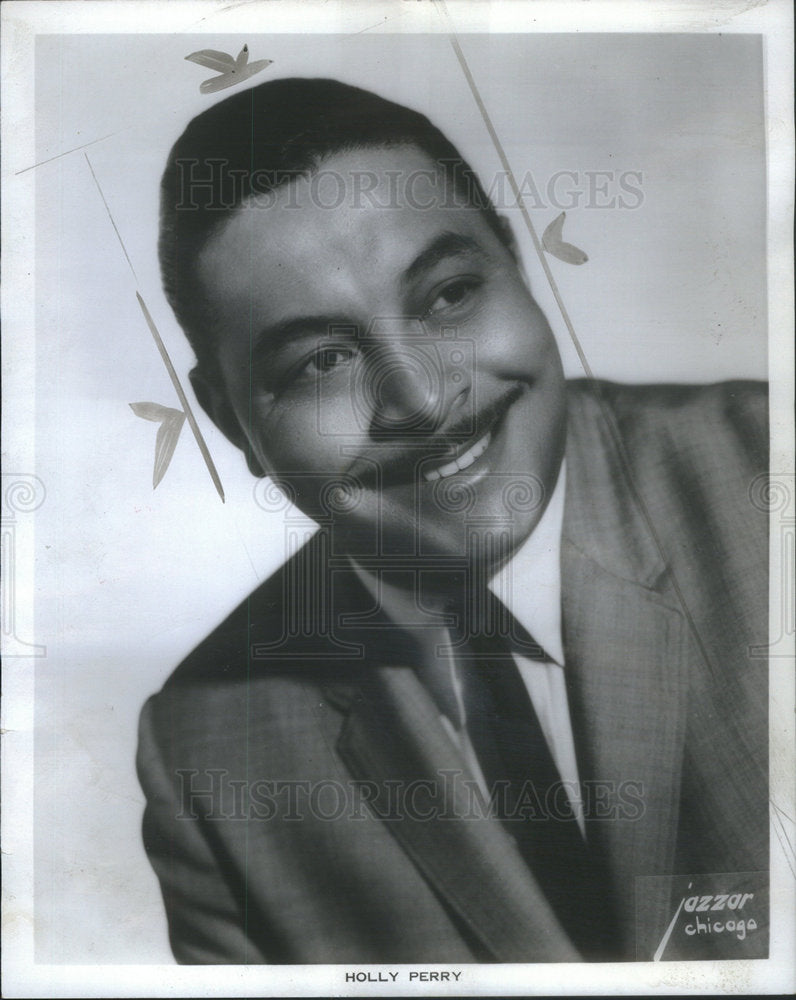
pixel 214 402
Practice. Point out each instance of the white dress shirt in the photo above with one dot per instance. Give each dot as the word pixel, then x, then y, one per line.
pixel 530 587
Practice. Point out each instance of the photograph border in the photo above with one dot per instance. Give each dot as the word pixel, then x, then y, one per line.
pixel 22 22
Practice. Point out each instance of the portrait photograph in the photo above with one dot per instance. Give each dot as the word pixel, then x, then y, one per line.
pixel 398 503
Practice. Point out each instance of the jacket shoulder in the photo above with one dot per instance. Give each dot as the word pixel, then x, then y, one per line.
pixel 734 399
pixel 678 422
pixel 224 652
pixel 682 465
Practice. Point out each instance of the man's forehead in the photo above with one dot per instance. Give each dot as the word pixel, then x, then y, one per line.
pixel 359 209
pixel 369 178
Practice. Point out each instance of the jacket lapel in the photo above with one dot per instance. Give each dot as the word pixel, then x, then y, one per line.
pixel 393 733
pixel 625 651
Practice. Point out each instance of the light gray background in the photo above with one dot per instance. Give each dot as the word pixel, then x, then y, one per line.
pixel 129 580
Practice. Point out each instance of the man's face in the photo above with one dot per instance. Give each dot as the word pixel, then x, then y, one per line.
pixel 394 351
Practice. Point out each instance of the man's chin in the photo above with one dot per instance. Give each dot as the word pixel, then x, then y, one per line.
pixel 434 540
pixel 473 544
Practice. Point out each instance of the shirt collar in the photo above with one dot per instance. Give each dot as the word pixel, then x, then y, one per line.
pixel 530 582
pixel 529 585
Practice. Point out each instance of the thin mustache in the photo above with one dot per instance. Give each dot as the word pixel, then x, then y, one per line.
pixel 400 463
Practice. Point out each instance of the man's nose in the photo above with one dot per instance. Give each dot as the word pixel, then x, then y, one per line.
pixel 404 385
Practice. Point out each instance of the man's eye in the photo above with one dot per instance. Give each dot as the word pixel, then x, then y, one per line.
pixel 456 293
pixel 327 359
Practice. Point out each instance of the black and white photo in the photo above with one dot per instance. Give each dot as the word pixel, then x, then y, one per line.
pixel 407 499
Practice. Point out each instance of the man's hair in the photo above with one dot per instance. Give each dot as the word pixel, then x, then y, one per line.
pixel 260 139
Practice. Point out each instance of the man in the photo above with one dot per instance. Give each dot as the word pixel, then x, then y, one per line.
pixel 503 700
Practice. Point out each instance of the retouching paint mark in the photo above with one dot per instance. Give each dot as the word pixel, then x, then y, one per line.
pixel 108 210
pixel 183 398
pixel 171 422
pixel 66 152
pixel 553 242
pixel 665 939
pixel 231 70
pixel 164 353
pixel 781 832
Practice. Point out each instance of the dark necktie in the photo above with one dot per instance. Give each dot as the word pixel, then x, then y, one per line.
pixel 527 792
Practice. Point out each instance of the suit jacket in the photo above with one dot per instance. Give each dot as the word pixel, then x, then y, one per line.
pixel 269 755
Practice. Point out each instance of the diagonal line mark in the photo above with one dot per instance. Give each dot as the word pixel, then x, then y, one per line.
pixel 211 468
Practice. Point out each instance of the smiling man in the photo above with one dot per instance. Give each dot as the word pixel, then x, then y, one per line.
pixel 336 328
pixel 502 701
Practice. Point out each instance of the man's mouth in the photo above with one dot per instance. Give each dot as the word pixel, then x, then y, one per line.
pixel 437 457
pixel 460 462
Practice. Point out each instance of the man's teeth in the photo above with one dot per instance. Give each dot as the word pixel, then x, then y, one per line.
pixel 462 462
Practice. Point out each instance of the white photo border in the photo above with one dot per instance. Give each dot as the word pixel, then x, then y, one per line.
pixel 22 23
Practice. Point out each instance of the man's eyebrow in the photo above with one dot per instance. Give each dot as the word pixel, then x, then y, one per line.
pixel 445 245
pixel 271 337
